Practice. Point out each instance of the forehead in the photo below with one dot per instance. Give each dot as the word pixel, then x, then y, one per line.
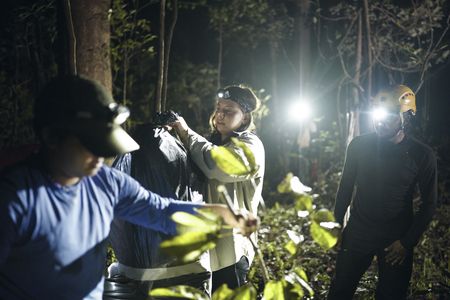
pixel 227 103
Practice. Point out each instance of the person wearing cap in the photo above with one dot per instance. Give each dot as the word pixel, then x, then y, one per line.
pixel 385 168
pixel 56 208
pixel 231 259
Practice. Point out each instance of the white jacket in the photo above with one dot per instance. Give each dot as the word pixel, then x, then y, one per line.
pixel 244 193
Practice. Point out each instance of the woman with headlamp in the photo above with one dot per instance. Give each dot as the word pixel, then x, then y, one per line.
pixel 231 259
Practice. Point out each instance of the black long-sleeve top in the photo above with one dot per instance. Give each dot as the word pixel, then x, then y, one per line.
pixel 385 176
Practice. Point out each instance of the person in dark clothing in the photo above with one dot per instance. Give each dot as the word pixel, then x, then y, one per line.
pixel 385 167
pixel 56 208
pixel 162 166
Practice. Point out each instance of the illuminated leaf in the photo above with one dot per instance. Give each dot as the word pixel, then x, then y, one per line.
pixel 223 292
pixel 303 280
pixel 299 278
pixel 187 222
pixel 322 215
pixel 189 246
pixel 298 187
pixel 324 237
pixel 285 185
pixel 245 292
pixel 179 291
pixel 282 290
pixel 292 184
pixel 291 247
pixel 295 237
pixel 229 162
pixel 304 203
pixel 247 152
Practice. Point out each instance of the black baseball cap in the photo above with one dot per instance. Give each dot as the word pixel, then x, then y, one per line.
pixel 84 108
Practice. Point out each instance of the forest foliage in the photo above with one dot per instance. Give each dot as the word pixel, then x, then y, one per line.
pixel 407 43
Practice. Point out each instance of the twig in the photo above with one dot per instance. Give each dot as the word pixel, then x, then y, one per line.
pixel 221 189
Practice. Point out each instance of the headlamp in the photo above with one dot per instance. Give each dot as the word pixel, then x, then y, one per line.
pixel 223 94
pixel 118 113
pixel 236 97
pixel 379 114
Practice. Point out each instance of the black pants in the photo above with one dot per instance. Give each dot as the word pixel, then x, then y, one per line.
pixel 393 281
pixel 120 287
pixel 234 276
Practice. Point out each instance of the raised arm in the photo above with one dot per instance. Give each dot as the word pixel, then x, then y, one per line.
pixel 200 150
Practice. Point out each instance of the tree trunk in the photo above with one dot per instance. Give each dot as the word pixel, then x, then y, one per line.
pixel 89 40
pixel 167 54
pixel 220 57
pixel 304 45
pixel 353 122
pixel 369 50
pixel 159 84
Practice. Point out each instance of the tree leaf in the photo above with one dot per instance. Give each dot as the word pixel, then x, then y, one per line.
pixel 229 162
pixel 179 291
pixel 187 222
pixel 324 237
pixel 223 292
pixel 189 246
pixel 247 152
pixel 304 203
pixel 282 290
pixel 291 247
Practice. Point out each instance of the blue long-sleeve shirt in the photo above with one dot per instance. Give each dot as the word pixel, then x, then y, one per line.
pixel 52 237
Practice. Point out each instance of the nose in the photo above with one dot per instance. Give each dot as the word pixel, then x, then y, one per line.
pixel 220 115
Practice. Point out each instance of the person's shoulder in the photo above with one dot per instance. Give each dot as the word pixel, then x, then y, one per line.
pixel 249 137
pixel 421 149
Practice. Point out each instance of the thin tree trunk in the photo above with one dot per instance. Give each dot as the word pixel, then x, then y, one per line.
pixel 354 115
pixel 220 57
pixel 369 50
pixel 125 78
pixel 304 45
pixel 159 85
pixel 167 54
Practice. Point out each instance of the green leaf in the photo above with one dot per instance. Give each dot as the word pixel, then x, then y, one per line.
pixel 322 215
pixel 291 247
pixel 303 280
pixel 223 292
pixel 282 290
pixel 292 184
pixel 304 203
pixel 274 290
pixel 190 245
pixel 245 292
pixel 324 237
pixel 285 185
pixel 229 162
pixel 187 222
pixel 179 291
pixel 247 152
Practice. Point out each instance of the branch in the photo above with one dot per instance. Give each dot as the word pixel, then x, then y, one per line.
pixel 422 75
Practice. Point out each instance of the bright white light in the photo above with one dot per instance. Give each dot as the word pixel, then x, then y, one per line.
pixel 300 111
pixel 379 114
